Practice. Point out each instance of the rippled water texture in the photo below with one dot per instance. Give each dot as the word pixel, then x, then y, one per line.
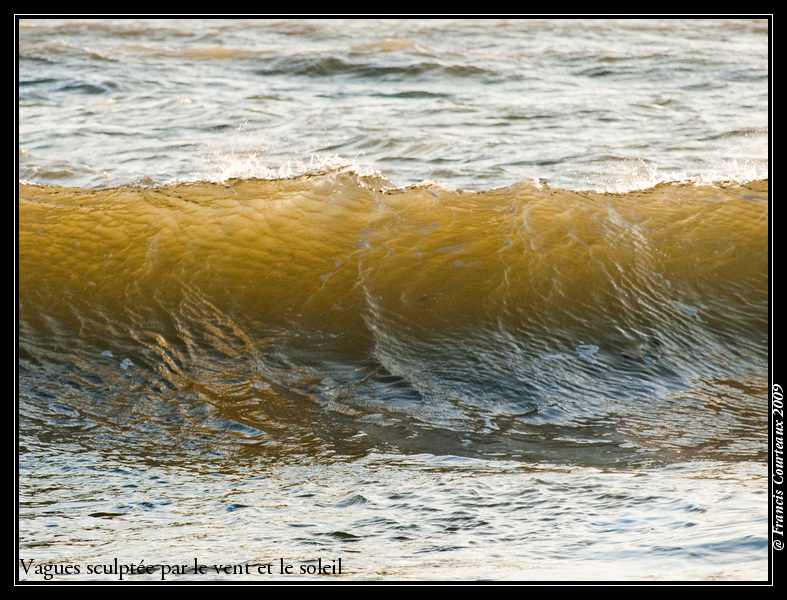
pixel 452 300
pixel 498 315
pixel 582 104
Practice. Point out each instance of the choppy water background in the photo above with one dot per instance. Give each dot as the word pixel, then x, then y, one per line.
pixel 297 290
pixel 471 104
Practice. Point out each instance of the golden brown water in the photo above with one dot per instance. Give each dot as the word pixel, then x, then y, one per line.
pixel 504 310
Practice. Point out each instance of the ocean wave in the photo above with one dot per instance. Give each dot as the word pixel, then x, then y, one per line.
pixel 417 315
